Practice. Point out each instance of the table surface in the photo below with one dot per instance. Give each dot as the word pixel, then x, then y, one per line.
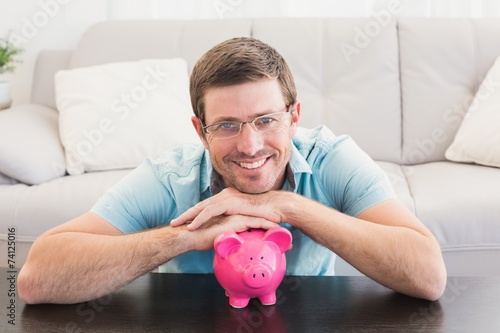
pixel 158 302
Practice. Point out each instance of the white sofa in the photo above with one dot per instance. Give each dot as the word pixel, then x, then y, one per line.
pixel 399 88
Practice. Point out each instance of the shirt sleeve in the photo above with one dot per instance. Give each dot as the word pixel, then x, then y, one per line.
pixel 352 179
pixel 138 201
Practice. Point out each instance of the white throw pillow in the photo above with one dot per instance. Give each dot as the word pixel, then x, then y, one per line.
pixel 30 149
pixel 478 138
pixel 113 116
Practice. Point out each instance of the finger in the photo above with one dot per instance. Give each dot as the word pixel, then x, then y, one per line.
pixel 230 206
pixel 263 224
pixel 193 212
pixel 243 223
pixel 206 214
pixel 187 216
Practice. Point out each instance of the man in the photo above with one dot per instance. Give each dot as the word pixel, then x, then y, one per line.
pixel 255 169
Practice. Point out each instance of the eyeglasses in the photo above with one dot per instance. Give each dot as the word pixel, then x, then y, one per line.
pixel 265 123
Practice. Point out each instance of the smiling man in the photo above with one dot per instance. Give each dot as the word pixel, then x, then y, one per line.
pixel 255 168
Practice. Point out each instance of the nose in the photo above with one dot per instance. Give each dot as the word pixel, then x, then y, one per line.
pixel 257 276
pixel 250 140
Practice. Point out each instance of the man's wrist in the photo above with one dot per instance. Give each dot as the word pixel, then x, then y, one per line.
pixel 172 242
pixel 287 204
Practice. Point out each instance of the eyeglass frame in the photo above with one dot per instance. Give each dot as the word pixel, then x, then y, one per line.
pixel 289 110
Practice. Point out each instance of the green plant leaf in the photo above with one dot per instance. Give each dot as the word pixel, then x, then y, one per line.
pixel 8 54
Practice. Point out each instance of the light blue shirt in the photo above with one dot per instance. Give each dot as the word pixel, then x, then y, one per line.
pixel 327 168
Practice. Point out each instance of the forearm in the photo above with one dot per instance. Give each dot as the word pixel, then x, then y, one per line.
pixel 72 267
pixel 399 257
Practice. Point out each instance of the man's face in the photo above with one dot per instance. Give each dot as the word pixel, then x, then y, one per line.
pixel 253 161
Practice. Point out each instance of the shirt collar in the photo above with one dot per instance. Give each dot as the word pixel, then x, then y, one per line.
pixel 296 166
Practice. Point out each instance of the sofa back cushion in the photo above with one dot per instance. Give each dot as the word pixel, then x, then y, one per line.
pixel 114 41
pixel 443 62
pixel 347 76
pixel 400 90
pixel 48 63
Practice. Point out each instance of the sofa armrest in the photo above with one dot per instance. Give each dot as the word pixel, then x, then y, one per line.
pixel 31 150
pixel 6 180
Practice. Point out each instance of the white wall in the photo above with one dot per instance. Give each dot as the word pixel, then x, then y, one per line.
pixel 44 24
pixel 59 24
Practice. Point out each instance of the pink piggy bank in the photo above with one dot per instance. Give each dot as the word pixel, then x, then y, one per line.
pixel 251 264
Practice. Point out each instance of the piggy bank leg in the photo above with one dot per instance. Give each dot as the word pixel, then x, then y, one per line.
pixel 269 299
pixel 238 302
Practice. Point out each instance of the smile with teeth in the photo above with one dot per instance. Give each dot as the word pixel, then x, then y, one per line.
pixel 253 165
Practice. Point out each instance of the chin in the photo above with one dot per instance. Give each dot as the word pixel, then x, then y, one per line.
pixel 253 189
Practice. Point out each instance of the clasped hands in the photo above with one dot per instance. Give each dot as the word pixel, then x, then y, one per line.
pixel 230 210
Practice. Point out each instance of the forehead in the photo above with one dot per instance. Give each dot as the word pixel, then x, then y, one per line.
pixel 243 101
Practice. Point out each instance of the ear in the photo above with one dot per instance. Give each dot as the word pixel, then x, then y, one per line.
pixel 295 118
pixel 279 236
pixel 225 242
pixel 199 130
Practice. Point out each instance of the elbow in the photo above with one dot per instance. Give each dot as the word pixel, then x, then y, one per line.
pixel 435 284
pixel 433 276
pixel 438 289
pixel 26 287
pixel 435 292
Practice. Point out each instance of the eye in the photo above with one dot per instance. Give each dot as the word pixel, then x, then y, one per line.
pixel 251 258
pixel 264 120
pixel 228 125
pixel 261 258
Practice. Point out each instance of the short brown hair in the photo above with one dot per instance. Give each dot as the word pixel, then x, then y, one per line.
pixel 235 61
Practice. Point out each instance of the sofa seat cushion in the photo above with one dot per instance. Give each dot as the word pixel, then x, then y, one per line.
pixel 459 203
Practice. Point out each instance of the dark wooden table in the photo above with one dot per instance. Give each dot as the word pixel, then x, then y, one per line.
pixel 196 303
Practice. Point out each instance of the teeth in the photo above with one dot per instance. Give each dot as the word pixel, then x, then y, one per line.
pixel 252 165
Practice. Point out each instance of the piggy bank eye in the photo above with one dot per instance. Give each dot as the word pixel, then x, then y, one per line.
pixel 251 258
pixel 261 258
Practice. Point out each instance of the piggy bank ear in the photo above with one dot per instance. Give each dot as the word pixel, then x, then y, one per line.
pixel 281 237
pixel 225 241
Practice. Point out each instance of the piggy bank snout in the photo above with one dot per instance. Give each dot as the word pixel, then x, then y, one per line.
pixel 257 275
